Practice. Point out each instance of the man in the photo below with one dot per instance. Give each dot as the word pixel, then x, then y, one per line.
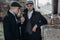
pixel 11 24
pixel 33 20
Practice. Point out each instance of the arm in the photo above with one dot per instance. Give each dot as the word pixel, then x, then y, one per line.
pixel 42 21
pixel 6 27
pixel 15 28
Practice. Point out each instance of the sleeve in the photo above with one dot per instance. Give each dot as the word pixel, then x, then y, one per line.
pixel 6 28
pixel 42 20
pixel 15 29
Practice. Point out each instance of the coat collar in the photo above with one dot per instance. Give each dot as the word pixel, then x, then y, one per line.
pixel 12 12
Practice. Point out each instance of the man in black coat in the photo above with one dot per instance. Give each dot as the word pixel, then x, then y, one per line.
pixel 11 24
pixel 33 20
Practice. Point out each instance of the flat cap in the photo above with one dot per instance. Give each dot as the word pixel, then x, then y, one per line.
pixel 15 4
pixel 29 2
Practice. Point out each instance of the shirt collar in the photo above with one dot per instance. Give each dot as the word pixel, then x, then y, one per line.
pixel 12 12
pixel 30 12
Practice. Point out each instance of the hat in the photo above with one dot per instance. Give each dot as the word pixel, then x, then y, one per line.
pixel 29 2
pixel 15 4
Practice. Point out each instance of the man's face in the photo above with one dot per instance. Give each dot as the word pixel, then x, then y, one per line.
pixel 29 7
pixel 17 9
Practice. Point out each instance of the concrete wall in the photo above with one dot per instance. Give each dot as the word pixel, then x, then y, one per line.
pixel 59 6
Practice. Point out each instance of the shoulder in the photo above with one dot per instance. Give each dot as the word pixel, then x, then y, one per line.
pixel 37 13
pixel 8 16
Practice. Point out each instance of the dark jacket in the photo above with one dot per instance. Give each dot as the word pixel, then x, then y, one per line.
pixel 36 18
pixel 11 27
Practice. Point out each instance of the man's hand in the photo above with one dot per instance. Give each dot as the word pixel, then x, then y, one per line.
pixel 22 19
pixel 34 28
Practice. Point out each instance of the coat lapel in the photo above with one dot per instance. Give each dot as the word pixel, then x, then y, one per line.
pixel 32 17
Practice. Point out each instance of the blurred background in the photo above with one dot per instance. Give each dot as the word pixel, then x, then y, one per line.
pixel 46 7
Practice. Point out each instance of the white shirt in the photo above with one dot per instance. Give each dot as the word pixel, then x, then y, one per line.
pixel 30 14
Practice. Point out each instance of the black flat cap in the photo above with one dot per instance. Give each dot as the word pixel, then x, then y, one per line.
pixel 29 2
pixel 15 4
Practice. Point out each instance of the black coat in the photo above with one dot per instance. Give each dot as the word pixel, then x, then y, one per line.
pixel 36 18
pixel 11 27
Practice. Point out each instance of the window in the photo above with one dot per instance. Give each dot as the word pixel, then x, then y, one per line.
pixel 45 6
